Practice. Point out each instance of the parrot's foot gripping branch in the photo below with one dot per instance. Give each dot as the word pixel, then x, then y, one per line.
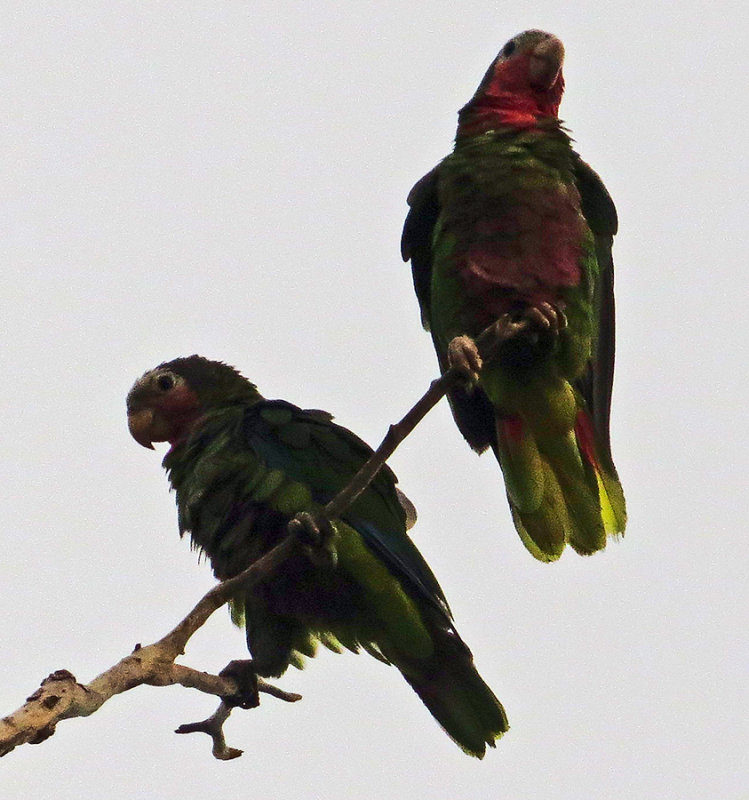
pixel 467 356
pixel 247 694
pixel 463 355
pixel 317 535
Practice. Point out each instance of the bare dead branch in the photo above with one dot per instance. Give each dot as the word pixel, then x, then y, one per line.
pixel 61 696
pixel 214 727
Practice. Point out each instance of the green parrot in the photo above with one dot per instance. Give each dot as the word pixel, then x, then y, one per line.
pixel 513 230
pixel 243 467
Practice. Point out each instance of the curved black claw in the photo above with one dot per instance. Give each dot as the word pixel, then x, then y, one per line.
pixel 243 673
pixel 317 534
pixel 463 356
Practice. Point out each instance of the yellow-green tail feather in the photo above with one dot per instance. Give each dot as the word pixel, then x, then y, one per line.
pixel 558 490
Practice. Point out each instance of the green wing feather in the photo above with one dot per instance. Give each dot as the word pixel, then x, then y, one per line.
pixel 471 408
pixel 596 384
pixel 316 453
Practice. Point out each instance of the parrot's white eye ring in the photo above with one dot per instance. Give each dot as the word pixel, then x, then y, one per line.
pixel 166 381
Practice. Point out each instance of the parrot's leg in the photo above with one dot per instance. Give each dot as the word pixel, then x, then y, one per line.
pixel 463 355
pixel 317 534
pixel 243 673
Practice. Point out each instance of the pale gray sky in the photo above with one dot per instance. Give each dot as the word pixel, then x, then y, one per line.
pixel 229 178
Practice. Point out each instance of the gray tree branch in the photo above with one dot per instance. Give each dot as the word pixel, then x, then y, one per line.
pixel 61 696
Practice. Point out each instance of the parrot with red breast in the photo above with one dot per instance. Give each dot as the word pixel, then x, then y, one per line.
pixel 512 233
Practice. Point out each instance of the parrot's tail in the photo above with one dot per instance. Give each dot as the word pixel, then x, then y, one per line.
pixel 559 488
pixel 456 695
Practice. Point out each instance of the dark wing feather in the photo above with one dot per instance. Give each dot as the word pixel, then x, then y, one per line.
pixel 471 408
pixel 416 240
pixel 596 384
pixel 314 451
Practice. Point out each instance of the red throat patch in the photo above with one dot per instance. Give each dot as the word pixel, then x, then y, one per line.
pixel 510 98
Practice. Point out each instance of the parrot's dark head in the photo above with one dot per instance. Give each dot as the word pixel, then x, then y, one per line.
pixel 165 404
pixel 523 84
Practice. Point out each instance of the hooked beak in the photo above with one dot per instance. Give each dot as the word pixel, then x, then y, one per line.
pixel 141 424
pixel 546 63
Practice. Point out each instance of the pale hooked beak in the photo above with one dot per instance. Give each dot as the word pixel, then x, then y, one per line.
pixel 141 423
pixel 546 62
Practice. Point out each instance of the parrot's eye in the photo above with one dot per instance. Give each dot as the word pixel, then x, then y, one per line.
pixel 165 381
pixel 509 48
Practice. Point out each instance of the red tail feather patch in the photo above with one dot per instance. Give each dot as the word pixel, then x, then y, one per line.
pixel 513 429
pixel 586 439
